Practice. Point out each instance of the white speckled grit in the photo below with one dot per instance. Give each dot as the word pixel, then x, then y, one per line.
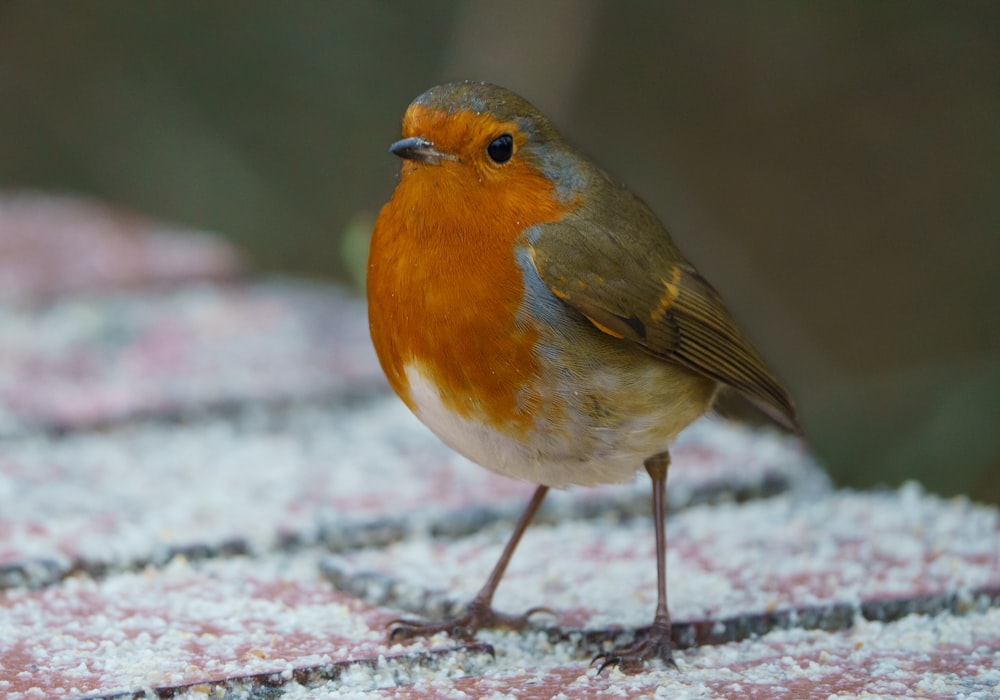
pixel 136 492
pixel 723 560
pixel 179 624
pixel 99 501
pixel 938 658
pixel 58 245
pixel 88 360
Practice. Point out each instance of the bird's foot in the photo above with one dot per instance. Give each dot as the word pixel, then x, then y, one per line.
pixel 478 615
pixel 632 658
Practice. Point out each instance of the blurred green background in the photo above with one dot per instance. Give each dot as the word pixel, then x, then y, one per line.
pixel 832 167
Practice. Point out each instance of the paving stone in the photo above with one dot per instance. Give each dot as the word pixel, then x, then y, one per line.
pixel 267 621
pixel 933 657
pixel 268 627
pixel 728 565
pixel 349 474
pixel 52 246
pixel 86 361
pixel 178 457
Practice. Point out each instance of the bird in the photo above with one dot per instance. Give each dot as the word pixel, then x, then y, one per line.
pixel 538 318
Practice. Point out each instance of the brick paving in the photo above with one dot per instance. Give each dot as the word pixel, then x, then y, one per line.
pixel 207 490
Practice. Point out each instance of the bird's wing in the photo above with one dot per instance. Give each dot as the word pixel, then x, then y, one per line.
pixel 658 301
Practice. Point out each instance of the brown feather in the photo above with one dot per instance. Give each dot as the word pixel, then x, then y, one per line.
pixel 657 300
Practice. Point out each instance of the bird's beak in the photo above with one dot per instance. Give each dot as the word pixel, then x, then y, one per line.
pixel 420 150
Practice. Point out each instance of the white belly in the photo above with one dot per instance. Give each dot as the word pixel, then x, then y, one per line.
pixel 569 445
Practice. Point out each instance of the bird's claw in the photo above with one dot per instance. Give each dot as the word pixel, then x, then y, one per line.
pixel 540 610
pixel 477 616
pixel 633 657
pixel 410 629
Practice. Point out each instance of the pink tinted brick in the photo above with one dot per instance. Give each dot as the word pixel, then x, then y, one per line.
pixel 724 561
pixel 91 360
pixel 178 625
pixel 52 246
pixel 939 658
pixel 251 480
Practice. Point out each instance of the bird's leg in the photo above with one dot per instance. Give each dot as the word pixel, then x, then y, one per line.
pixel 479 613
pixel 656 644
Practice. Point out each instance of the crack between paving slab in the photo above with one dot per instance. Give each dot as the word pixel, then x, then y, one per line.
pixel 384 590
pixel 349 535
pixel 462 660
pixel 470 659
pixel 827 618
pixel 223 408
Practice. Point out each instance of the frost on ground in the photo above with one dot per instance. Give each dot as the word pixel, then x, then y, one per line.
pixel 722 560
pixel 60 245
pixel 272 622
pixel 255 479
pixel 179 456
pixel 85 361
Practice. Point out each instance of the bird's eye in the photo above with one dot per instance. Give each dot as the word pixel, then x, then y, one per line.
pixel 501 148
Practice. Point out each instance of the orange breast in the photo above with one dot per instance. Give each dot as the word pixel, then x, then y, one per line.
pixel 444 286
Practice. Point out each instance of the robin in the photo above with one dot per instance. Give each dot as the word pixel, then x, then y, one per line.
pixel 538 318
